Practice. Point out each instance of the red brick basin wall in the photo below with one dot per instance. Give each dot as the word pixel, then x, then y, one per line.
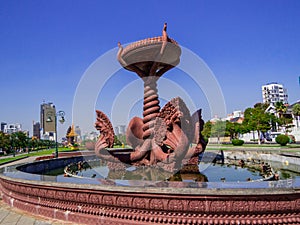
pixel 105 204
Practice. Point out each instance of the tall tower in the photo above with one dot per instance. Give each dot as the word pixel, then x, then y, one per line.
pixel 274 92
pixel 47 127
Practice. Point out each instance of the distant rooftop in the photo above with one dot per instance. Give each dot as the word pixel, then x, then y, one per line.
pixel 272 83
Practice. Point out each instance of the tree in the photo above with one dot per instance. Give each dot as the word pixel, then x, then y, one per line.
pixel 206 132
pixel 280 109
pixel 233 129
pixel 4 141
pixel 230 129
pixel 218 129
pixel 19 140
pixel 284 120
pixel 296 112
pixel 256 119
pixel 117 141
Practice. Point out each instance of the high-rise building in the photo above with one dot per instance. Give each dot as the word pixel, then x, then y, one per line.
pixel 274 92
pixel 47 121
pixel 47 116
pixel 36 130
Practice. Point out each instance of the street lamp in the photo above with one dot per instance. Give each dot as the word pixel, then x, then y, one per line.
pixel 61 114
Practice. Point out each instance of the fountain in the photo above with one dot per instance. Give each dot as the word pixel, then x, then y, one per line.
pixel 161 140
pixel 162 137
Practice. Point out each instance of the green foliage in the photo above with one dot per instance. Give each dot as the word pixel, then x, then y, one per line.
pixel 206 132
pixel 296 109
pixel 11 143
pixel 282 139
pixel 237 142
pixel 4 141
pixel 7 160
pixel 262 106
pixel 218 129
pixel 284 119
pixel 117 141
pixel 280 108
pixel 234 129
pixel 256 119
pixel 122 138
pixel 205 139
pixel 286 122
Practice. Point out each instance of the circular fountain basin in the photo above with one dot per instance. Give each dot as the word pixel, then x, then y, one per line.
pixel 103 201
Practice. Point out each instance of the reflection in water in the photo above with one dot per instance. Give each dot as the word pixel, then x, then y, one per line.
pixel 209 172
pixel 212 172
pixel 188 181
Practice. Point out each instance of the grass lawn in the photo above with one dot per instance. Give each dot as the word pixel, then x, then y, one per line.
pixel 33 153
pixel 263 147
pixel 6 160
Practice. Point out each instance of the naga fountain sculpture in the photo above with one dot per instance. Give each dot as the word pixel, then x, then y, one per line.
pixel 163 137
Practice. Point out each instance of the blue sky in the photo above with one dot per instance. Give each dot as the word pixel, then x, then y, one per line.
pixel 46 46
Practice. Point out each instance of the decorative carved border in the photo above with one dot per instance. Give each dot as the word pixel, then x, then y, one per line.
pixel 146 42
pixel 116 207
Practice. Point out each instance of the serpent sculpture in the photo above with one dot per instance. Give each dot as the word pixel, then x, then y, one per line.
pixel 162 137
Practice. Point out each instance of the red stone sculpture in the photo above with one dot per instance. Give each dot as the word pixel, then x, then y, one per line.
pixel 163 136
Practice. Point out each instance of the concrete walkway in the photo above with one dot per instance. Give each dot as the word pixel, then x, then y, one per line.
pixel 14 216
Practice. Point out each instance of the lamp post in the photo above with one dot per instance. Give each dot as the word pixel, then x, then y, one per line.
pixel 61 114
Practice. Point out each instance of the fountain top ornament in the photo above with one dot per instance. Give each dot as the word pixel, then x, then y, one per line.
pixel 151 56
pixel 162 137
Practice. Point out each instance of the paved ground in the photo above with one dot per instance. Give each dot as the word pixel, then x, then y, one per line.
pixel 13 216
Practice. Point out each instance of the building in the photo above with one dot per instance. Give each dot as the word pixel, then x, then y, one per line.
pixel 47 121
pixel 274 92
pixel 78 130
pixel 236 117
pixel 36 130
pixel 120 130
pixel 3 124
pixel 12 128
pixel 90 136
pixel 47 112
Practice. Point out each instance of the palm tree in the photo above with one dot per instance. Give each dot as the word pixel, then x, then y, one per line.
pixel 296 112
pixel 280 109
pixel 283 119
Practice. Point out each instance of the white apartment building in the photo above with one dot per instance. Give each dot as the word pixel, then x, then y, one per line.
pixel 274 92
pixel 12 128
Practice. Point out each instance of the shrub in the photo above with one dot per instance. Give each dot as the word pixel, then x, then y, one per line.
pixel 282 139
pixel 237 142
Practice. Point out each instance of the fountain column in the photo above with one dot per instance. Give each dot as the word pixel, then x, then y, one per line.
pixel 151 106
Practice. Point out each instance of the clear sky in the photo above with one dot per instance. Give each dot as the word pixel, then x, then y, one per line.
pixel 46 46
